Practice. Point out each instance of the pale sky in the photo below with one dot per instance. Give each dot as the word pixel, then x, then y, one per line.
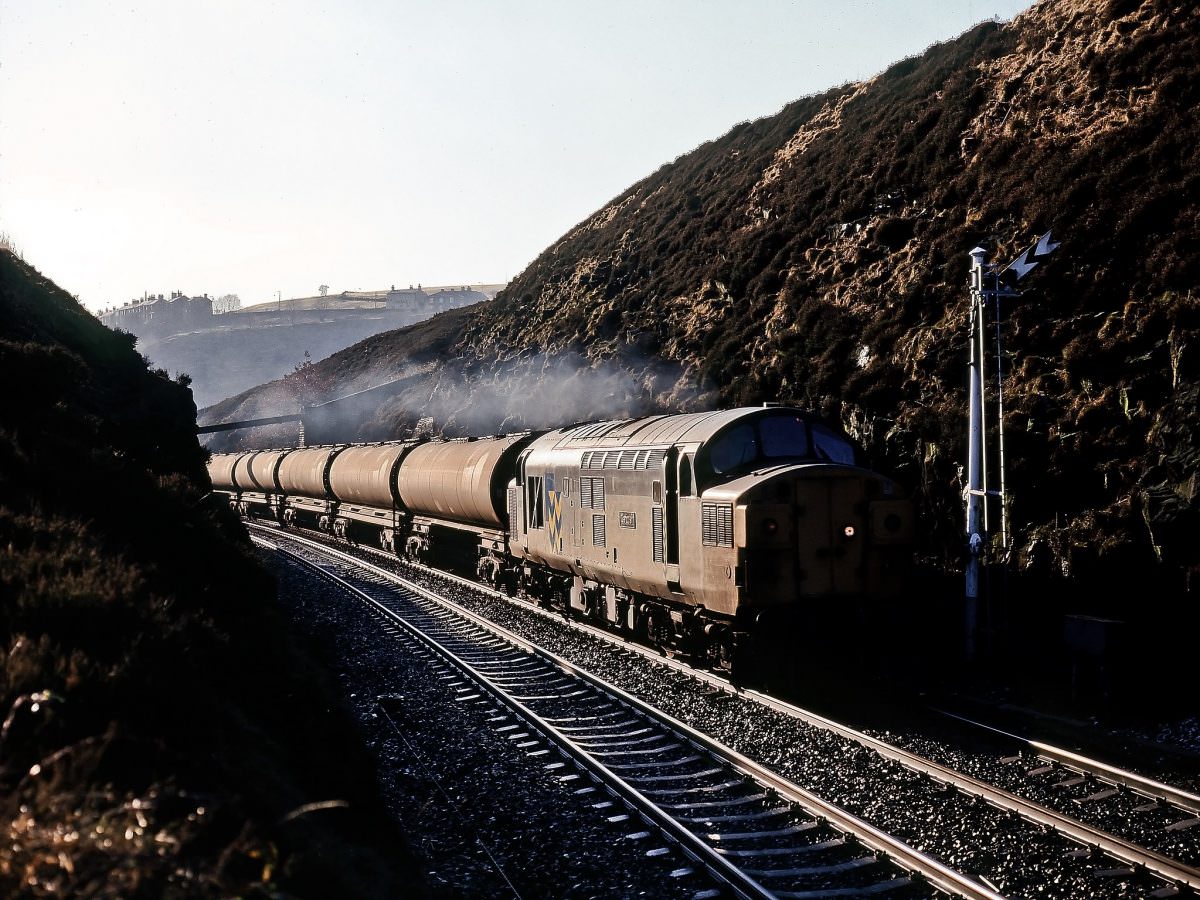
pixel 246 146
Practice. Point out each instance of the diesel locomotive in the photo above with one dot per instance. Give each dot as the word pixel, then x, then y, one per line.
pixel 692 532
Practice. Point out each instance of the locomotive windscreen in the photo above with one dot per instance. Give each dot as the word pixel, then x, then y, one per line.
pixel 776 437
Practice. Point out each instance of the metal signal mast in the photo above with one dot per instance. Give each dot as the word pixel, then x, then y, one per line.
pixel 976 492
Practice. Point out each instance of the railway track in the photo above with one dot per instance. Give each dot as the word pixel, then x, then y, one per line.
pixel 1111 860
pixel 752 831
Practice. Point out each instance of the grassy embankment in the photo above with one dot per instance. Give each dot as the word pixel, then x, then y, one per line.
pixel 162 733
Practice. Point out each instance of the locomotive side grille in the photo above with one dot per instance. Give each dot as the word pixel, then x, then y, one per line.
pixel 512 507
pixel 591 493
pixel 655 458
pixel 725 525
pixel 656 525
pixel 629 460
pixel 598 537
pixel 716 525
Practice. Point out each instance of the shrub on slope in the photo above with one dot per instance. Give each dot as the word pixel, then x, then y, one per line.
pixel 158 724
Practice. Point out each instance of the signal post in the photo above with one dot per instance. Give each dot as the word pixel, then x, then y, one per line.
pixel 976 493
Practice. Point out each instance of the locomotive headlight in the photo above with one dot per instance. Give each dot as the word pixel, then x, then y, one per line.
pixel 770 526
pixel 848 531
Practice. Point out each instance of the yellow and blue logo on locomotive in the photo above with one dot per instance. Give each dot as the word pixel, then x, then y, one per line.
pixel 554 512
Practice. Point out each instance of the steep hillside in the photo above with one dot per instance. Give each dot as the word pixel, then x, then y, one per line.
pixel 820 256
pixel 371 375
pixel 159 725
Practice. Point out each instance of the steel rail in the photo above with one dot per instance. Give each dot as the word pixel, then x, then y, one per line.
pixel 1148 786
pixel 718 867
pixel 1132 780
pixel 1163 866
pixel 933 871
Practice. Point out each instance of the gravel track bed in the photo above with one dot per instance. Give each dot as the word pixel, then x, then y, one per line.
pixel 1018 858
pixel 456 785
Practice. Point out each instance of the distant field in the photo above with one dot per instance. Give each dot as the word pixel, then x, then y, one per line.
pixel 362 299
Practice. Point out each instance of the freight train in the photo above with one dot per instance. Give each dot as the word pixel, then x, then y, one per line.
pixel 692 532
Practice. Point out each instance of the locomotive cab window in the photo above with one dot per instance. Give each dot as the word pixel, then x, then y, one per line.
pixel 828 444
pixel 784 436
pixel 734 449
pixel 685 476
pixel 778 437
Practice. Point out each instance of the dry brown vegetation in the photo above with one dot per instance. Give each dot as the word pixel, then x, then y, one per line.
pixel 774 261
pixel 159 725
pixel 819 257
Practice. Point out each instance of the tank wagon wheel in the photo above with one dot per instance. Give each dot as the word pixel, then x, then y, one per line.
pixel 289 518
pixel 414 550
pixel 509 582
pixel 387 540
pixel 487 570
pixel 593 603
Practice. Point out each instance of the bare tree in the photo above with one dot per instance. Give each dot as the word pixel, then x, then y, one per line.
pixel 307 383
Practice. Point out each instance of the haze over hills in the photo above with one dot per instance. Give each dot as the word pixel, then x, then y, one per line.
pixel 364 299
pixel 819 257
pixel 226 353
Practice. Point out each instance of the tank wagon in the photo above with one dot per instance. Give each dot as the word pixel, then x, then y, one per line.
pixel 689 531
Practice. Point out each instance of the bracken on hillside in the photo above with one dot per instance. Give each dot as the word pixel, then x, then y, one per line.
pixel 820 257
pixel 161 732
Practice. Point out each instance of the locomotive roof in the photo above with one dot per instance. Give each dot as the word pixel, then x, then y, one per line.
pixel 655 431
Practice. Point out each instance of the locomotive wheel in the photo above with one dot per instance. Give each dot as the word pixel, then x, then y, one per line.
pixel 654 628
pixel 742 670
pixel 641 626
pixel 488 571
pixel 722 652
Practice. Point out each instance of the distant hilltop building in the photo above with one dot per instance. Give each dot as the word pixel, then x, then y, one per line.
pixel 440 299
pixel 157 315
pixel 227 349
